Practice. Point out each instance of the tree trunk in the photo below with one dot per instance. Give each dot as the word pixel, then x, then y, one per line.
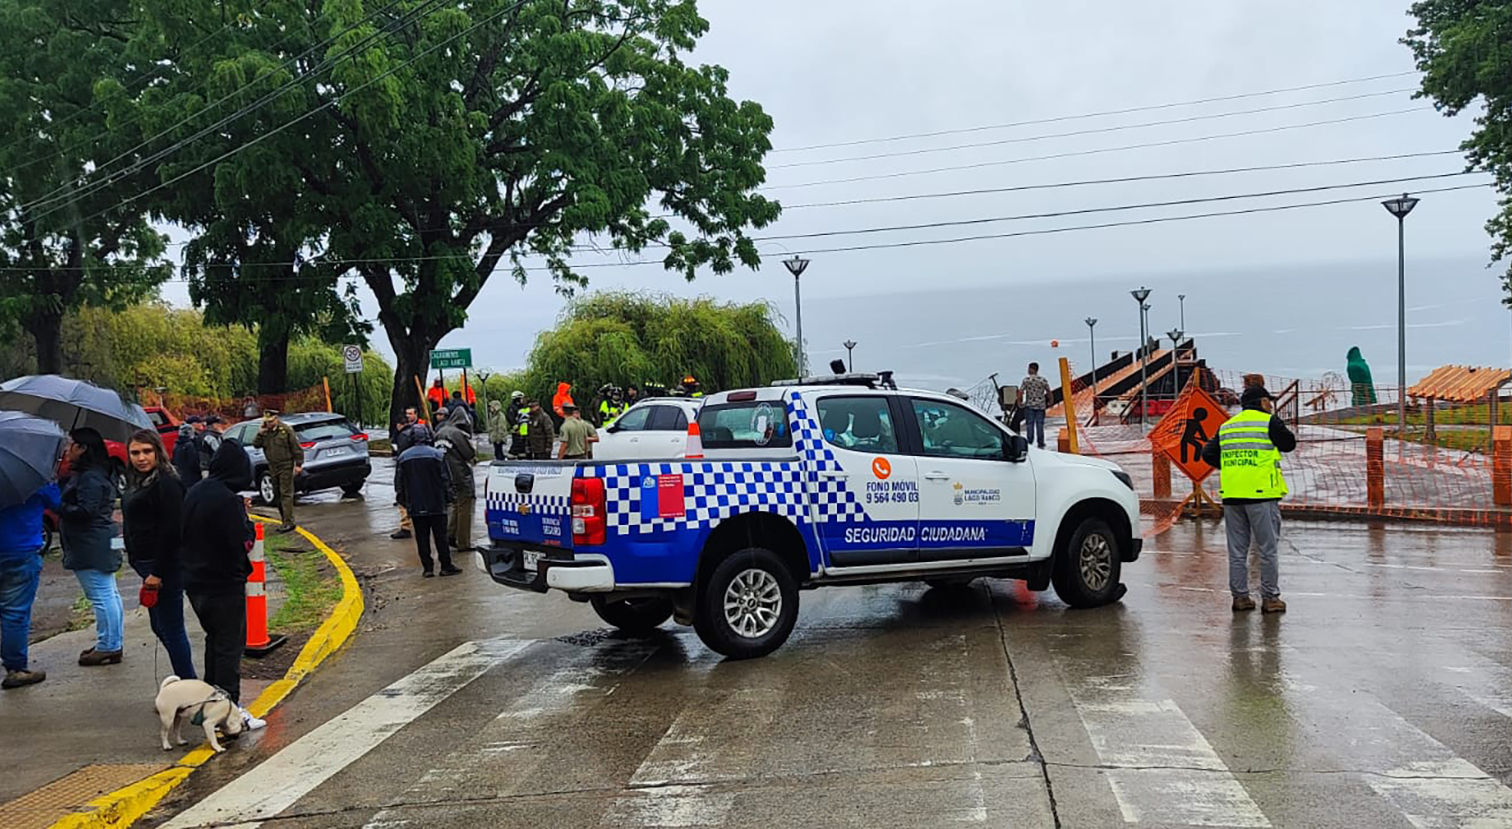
pixel 412 355
pixel 272 358
pixel 46 328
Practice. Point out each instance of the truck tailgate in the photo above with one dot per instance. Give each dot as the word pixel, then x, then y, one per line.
pixel 527 503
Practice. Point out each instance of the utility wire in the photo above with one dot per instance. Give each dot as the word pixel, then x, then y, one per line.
pixel 1191 119
pixel 1119 180
pixel 67 194
pixel 149 74
pixel 1112 208
pixel 1062 118
pixel 1098 151
pixel 328 104
pixel 1058 214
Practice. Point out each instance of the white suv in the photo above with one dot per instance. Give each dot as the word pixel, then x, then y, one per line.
pixel 652 429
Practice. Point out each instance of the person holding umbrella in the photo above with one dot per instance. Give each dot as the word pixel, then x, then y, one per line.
pixel 29 448
pixel 151 512
pixel 89 541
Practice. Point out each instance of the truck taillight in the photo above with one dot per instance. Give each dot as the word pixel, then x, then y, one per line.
pixel 589 512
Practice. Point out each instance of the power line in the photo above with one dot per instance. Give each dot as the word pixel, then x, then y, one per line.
pixel 1098 151
pixel 1119 180
pixel 1075 133
pixel 338 99
pixel 1111 208
pixel 1061 118
pixel 64 193
pixel 920 242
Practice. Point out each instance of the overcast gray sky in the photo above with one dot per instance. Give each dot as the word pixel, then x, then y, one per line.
pixel 845 70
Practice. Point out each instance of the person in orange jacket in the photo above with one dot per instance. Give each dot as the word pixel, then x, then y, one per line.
pixel 563 398
pixel 436 395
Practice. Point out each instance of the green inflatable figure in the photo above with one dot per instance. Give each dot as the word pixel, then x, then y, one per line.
pixel 1361 386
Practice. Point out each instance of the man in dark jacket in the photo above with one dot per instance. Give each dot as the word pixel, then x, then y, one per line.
pixel 455 440
pixel 186 456
pixel 423 485
pixel 209 440
pixel 1247 451
pixel 405 435
pixel 215 538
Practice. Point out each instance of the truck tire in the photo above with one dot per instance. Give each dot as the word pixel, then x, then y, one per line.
pixel 748 605
pixel 1086 572
pixel 636 617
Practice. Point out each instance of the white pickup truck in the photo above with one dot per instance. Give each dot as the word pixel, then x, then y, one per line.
pixel 832 481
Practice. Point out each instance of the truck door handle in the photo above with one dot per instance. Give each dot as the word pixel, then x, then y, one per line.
pixel 936 476
pixel 834 474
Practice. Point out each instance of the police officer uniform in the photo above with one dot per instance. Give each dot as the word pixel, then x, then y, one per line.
pixel 281 448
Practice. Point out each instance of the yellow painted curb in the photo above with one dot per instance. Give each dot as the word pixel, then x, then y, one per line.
pixel 126 805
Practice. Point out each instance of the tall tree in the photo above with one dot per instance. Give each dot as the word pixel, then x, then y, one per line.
pixel 62 242
pixel 220 140
pixel 471 136
pixel 1464 50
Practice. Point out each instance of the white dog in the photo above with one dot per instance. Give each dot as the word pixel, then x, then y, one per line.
pixel 201 704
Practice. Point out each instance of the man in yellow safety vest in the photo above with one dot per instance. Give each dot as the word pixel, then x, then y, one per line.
pixel 522 424
pixel 1247 451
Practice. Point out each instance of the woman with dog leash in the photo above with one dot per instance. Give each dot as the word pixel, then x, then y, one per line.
pixel 90 544
pixel 151 511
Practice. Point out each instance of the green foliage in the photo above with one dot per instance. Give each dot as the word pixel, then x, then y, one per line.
pixel 1464 50
pixel 624 338
pixel 310 360
pixel 63 243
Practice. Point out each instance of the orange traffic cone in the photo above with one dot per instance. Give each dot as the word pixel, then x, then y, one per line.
pixel 258 640
pixel 695 442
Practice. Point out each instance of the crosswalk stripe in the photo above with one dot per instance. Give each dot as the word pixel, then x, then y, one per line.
pixel 286 777
pixel 521 728
pixel 1161 769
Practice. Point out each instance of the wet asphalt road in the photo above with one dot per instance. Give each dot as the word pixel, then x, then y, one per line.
pixel 1382 699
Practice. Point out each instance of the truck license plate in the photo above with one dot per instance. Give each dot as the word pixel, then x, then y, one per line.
pixel 529 559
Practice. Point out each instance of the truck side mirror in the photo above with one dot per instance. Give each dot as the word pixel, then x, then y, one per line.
pixel 1016 449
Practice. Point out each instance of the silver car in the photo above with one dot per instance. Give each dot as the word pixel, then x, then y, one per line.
pixel 336 453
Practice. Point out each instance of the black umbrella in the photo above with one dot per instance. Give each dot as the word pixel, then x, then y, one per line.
pixel 74 403
pixel 29 450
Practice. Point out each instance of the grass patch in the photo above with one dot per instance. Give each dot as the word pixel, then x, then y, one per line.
pixel 80 615
pixel 1478 414
pixel 380 445
pixel 311 588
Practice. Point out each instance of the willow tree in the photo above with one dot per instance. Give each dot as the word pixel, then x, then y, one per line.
pixel 471 139
pixel 624 338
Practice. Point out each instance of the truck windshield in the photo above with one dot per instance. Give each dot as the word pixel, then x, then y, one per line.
pixel 758 424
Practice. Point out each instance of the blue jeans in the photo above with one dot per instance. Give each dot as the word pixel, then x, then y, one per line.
pixel 1034 426
pixel 18 587
pixel 100 589
pixel 168 622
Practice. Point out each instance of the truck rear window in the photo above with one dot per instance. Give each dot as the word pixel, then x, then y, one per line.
pixel 324 430
pixel 759 424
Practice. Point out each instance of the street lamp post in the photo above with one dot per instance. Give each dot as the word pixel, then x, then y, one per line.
pixel 850 360
pixel 1140 296
pixel 1400 208
pixel 1175 334
pixel 796 266
pixel 1181 298
pixel 1092 338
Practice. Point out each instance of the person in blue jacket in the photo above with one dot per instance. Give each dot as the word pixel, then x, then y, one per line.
pixel 20 570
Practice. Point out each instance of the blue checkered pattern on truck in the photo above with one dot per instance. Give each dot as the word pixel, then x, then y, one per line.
pixel 833 501
pixel 712 492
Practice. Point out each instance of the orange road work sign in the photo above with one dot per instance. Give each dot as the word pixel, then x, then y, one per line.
pixel 1193 419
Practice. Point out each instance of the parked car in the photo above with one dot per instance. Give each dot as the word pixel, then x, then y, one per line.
pixel 653 428
pixel 336 453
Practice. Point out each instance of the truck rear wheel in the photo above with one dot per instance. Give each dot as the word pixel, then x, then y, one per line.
pixel 748 605
pixel 637 617
pixel 1086 572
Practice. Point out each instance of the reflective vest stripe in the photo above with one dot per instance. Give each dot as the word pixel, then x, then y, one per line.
pixel 1250 463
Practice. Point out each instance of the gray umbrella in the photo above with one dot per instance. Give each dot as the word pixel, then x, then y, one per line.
pixel 74 403
pixel 29 450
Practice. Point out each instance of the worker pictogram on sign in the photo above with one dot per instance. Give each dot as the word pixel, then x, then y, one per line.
pixel 1192 420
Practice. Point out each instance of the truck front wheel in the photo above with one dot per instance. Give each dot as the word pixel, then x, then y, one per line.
pixel 748 605
pixel 637 617
pixel 1086 572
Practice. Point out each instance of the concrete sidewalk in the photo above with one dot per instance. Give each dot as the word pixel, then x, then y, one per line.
pixel 88 731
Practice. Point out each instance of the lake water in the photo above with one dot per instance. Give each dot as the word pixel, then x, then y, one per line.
pixel 1292 322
